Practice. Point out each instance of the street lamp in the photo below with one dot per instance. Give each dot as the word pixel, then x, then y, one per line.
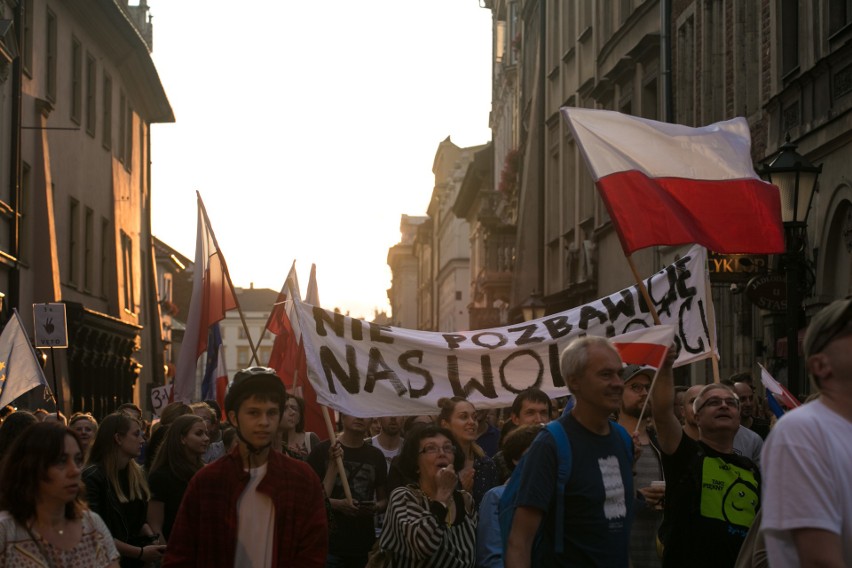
pixel 796 180
pixel 533 307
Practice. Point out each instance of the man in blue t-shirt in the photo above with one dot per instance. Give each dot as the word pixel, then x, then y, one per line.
pixel 598 496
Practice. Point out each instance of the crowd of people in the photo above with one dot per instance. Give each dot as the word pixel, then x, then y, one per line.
pixel 624 475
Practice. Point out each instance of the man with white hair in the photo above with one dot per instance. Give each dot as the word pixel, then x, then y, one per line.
pixel 712 494
pixel 807 518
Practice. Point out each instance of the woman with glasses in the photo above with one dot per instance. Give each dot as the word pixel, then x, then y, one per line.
pixel 85 425
pixel 479 473
pixel 117 490
pixel 44 520
pixel 294 440
pixel 430 523
pixel 179 458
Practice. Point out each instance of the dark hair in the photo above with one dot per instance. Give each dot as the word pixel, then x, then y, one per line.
pixel 216 408
pixel 13 426
pixel 410 454
pixel 531 394
pixel 744 377
pixel 172 452
pixel 259 382
pixel 228 435
pixel 508 428
pixel 448 406
pixel 517 442
pixel 410 424
pixel 129 406
pixel 300 425
pixel 25 467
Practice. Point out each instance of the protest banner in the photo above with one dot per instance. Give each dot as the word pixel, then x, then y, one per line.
pixel 367 369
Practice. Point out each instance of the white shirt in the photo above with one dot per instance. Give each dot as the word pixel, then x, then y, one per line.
pixel 807 459
pixel 255 524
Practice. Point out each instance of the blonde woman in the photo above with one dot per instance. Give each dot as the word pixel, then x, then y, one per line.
pixel 117 490
pixel 86 427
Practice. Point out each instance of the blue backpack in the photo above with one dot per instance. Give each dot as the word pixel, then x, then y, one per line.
pixel 508 501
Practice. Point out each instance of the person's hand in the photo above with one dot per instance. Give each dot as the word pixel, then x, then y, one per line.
pixel 335 451
pixel 445 483
pixel 343 506
pixel 153 552
pixel 466 478
pixel 654 496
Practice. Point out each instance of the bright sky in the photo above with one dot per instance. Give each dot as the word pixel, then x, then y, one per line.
pixel 310 127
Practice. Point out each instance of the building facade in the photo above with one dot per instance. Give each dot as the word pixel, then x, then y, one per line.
pixel 79 94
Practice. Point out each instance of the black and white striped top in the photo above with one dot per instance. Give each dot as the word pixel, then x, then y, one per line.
pixel 416 534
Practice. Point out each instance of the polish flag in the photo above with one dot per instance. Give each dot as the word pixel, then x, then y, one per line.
pixel 212 296
pixel 214 385
pixel 645 347
pixel 288 350
pixel 668 184
pixel 779 391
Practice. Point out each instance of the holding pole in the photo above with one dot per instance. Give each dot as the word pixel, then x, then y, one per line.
pixel 332 438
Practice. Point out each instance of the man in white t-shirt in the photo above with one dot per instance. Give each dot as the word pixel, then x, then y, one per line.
pixel 807 503
pixel 389 440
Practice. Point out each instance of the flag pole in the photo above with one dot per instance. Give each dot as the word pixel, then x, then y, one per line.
pixel 711 323
pixel 332 438
pixel 643 290
pixel 228 276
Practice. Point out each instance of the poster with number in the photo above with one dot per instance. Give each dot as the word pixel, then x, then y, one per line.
pixel 160 398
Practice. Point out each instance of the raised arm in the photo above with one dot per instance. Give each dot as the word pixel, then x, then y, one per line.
pixel 669 430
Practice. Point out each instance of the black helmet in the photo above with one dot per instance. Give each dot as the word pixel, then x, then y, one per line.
pixel 251 381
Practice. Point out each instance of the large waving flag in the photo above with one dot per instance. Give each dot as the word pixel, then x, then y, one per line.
pixel 314 421
pixel 212 296
pixel 20 371
pixel 776 392
pixel 668 184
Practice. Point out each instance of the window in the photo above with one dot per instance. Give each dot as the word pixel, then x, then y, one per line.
pixel 128 144
pixel 50 58
pixel 839 15
pixel 23 208
pixel 265 354
pixel 685 96
pixel 91 95
pixel 122 125
pixel 127 271
pixel 107 110
pixel 242 357
pixel 106 239
pixel 747 58
pixel 88 249
pixel 73 239
pixel 789 40
pixel 76 80
pixel 27 59
pixel 513 36
pixel 649 99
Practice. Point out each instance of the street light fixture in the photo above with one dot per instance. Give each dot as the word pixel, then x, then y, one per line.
pixel 796 180
pixel 533 307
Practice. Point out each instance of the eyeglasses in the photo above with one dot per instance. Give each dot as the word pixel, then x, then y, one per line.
pixel 715 402
pixel 435 450
pixel 639 387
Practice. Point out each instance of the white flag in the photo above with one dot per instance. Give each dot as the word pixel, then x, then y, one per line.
pixel 20 371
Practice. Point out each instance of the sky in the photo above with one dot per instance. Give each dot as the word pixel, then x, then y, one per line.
pixel 309 128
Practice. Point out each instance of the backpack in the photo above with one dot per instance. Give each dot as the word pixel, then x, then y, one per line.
pixel 508 501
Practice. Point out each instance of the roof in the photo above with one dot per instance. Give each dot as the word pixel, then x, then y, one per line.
pixel 256 299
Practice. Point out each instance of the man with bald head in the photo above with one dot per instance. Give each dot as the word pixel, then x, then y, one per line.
pixel 712 493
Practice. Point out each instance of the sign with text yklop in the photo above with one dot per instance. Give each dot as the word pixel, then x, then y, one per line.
pixel 367 369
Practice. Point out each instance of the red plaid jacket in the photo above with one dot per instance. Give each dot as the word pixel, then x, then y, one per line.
pixel 205 529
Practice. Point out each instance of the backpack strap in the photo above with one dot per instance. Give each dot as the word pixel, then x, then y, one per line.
pixel 563 473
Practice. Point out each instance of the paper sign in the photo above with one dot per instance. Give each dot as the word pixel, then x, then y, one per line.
pixel 51 329
pixel 160 398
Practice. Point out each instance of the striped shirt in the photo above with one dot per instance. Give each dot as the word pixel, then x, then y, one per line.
pixel 416 534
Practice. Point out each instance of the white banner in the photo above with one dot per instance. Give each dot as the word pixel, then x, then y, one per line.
pixel 368 370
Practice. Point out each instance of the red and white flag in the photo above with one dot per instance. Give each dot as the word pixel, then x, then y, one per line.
pixel 668 184
pixel 778 390
pixel 212 296
pixel 288 350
